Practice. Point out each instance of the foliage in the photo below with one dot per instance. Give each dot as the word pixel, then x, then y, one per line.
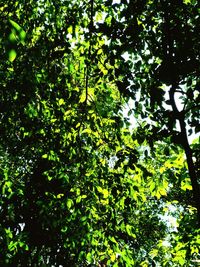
pixel 80 186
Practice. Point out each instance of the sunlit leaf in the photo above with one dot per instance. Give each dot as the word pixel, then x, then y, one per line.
pixel 12 55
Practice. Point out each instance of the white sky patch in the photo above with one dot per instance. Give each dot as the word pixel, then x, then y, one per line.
pixel 169 218
pixel 178 100
pixel 126 56
pixel 179 103
pixel 166 243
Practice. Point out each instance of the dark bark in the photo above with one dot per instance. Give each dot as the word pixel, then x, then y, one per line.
pixel 191 168
pixel 180 116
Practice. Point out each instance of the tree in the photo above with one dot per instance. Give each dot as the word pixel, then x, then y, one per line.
pixel 78 186
pixel 162 41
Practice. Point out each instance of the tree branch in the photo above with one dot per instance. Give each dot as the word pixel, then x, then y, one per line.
pixel 188 152
pixel 180 116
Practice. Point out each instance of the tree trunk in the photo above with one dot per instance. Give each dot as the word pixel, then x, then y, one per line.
pixel 180 115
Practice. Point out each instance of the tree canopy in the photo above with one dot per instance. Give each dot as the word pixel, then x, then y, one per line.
pixel 99 103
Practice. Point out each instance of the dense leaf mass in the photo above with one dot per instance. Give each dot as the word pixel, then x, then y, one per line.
pixel 99 124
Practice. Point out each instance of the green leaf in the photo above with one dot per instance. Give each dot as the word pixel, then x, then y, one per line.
pixel 69 203
pixel 15 25
pixel 12 55
pixel 21 34
pixel 105 193
pixel 61 102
